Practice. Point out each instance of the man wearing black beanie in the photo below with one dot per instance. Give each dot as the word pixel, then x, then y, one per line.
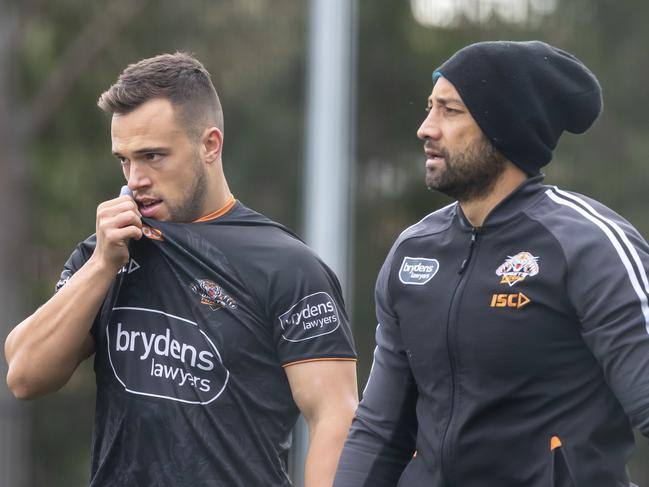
pixel 513 338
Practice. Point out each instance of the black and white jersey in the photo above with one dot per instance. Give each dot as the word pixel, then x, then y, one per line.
pixel 515 354
pixel 190 347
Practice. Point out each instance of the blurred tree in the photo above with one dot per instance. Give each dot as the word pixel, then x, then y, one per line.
pixel 23 116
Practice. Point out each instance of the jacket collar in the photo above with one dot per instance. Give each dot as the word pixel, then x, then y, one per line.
pixel 511 206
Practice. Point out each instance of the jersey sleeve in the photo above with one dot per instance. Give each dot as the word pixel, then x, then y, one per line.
pixel 77 259
pixel 608 285
pixel 307 311
pixel 382 438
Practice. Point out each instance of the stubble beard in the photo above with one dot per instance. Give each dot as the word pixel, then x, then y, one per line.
pixel 192 207
pixel 469 175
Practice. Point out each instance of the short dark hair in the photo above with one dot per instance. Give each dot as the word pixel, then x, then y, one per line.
pixel 179 78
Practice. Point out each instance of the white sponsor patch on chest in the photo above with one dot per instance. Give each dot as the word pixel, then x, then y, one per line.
pixel 418 270
pixel 157 354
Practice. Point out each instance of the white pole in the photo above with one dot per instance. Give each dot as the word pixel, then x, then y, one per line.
pixel 328 171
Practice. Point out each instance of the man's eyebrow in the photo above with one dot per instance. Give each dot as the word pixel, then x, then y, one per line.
pixel 145 150
pixel 445 101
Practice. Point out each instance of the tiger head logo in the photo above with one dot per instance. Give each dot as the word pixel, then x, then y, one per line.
pixel 212 294
pixel 517 267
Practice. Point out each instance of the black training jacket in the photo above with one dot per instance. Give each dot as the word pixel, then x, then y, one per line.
pixel 512 355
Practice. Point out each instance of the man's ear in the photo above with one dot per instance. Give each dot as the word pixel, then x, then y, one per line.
pixel 212 144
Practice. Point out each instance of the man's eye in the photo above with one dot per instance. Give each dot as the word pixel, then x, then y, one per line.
pixel 428 109
pixel 122 160
pixel 152 156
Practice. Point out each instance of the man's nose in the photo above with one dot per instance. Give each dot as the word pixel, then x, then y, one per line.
pixel 429 128
pixel 137 177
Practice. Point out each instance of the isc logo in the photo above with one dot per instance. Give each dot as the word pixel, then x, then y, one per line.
pixel 514 300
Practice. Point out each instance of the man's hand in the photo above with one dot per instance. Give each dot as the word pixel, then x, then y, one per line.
pixel 118 221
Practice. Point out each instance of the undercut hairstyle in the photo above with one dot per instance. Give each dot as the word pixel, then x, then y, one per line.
pixel 179 78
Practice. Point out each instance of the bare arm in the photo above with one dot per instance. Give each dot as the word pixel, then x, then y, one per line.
pixel 45 349
pixel 326 393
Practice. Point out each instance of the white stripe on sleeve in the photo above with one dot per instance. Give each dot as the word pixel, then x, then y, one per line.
pixel 598 219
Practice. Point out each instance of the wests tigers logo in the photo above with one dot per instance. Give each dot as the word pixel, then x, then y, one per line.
pixel 517 267
pixel 212 294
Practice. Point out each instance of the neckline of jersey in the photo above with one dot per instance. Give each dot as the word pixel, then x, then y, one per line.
pixel 510 207
pixel 218 213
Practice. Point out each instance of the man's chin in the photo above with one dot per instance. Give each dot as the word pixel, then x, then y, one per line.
pixel 161 216
pixel 434 182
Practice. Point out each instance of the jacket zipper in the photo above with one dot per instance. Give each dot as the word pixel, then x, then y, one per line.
pixel 449 346
pixel 465 262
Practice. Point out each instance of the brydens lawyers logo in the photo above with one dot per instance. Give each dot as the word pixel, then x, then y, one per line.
pixel 417 270
pixel 212 294
pixel 160 355
pixel 518 267
pixel 312 316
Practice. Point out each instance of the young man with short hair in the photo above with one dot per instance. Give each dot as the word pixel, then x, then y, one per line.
pixel 212 326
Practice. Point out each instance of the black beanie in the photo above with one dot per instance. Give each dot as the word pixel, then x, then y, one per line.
pixel 523 95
